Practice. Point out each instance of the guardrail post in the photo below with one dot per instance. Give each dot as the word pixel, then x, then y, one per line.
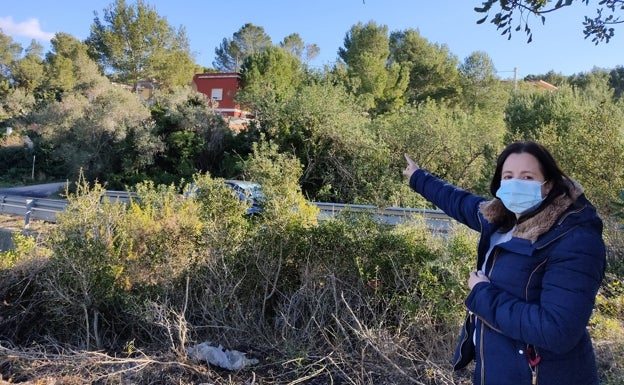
pixel 29 205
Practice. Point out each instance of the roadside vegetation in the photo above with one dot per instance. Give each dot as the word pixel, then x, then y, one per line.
pixel 118 293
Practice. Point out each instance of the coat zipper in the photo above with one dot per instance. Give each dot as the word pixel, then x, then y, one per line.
pixel 494 258
pixel 481 351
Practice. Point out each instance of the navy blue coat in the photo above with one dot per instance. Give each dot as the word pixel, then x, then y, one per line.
pixel 542 289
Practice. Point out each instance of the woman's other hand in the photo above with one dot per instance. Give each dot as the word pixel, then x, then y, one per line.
pixel 477 277
pixel 411 167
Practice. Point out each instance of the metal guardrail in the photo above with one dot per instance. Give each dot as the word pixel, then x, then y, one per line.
pixel 31 208
pixel 47 209
pixel 435 219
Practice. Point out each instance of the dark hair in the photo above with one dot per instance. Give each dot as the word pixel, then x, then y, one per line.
pixel 548 167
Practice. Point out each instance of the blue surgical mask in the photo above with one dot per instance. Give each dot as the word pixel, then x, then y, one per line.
pixel 520 196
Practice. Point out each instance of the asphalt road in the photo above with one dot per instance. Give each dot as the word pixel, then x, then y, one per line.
pixel 36 190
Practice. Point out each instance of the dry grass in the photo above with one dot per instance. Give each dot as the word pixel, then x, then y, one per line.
pixel 40 366
pixel 16 223
pixel 43 366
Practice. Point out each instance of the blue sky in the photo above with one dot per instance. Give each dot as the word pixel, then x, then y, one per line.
pixel 559 45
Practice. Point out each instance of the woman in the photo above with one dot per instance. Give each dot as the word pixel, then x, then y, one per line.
pixel 541 260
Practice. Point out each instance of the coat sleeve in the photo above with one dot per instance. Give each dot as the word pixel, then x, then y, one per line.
pixel 572 277
pixel 455 202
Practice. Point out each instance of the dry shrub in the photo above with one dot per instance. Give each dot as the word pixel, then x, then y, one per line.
pixel 342 302
pixel 21 305
pixel 347 301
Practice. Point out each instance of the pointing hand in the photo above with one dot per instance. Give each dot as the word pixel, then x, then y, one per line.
pixel 411 166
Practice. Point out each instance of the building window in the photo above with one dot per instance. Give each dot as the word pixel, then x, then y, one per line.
pixel 216 94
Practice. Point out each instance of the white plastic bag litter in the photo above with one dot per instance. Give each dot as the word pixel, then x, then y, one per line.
pixel 216 355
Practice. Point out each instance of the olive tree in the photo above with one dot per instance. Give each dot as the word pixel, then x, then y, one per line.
pixel 600 27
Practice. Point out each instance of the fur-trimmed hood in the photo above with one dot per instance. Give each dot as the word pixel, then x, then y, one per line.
pixel 494 210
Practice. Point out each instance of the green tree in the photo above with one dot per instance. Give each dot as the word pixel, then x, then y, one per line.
pixel 588 150
pixel 599 28
pixel 481 88
pixel 194 136
pixel 248 40
pixel 285 206
pixel 15 104
pixel 323 126
pixel 70 69
pixel 27 72
pixel 134 43
pixel 90 133
pixel 380 86
pixel 594 85
pixel 453 144
pixel 60 66
pixel 343 159
pixel 267 78
pixel 583 131
pixel 432 69
pixel 295 45
pixel 530 109
pixel 365 53
pixel 616 81
pixel 9 51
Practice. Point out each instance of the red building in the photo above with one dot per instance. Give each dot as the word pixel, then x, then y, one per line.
pixel 221 87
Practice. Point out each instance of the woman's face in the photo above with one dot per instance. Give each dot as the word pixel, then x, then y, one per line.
pixel 524 166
